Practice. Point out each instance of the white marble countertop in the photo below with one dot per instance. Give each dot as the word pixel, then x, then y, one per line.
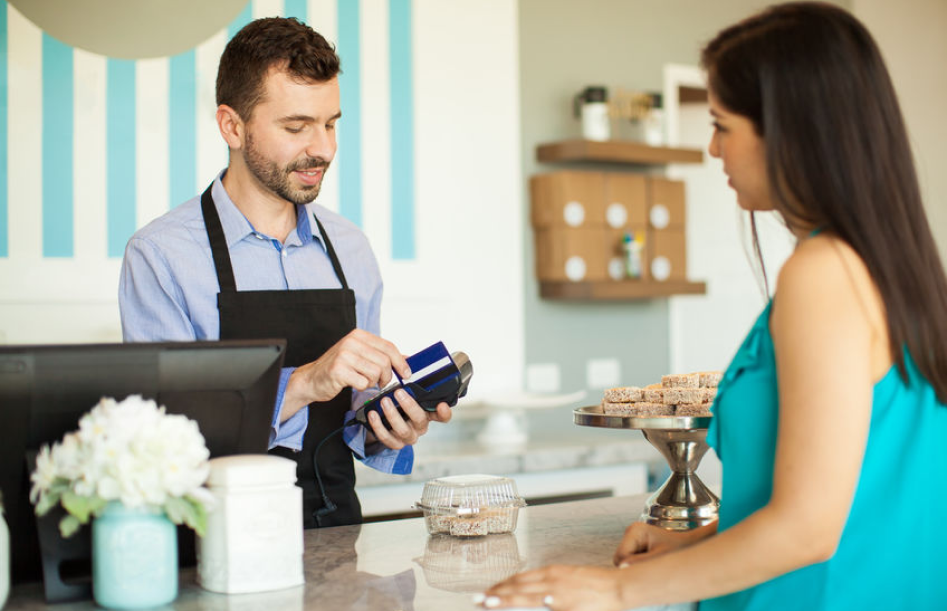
pixel 397 565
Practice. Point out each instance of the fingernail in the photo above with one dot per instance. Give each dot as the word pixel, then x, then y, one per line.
pixel 624 565
pixel 479 598
pixel 401 394
pixel 491 601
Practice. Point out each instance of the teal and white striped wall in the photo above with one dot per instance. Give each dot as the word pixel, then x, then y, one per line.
pixel 139 136
pixel 428 165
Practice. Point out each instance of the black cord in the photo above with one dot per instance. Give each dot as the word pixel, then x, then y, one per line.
pixel 327 505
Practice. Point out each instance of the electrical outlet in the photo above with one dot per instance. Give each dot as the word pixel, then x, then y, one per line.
pixel 543 377
pixel 602 373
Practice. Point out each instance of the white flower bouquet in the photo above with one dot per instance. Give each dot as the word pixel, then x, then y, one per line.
pixel 131 452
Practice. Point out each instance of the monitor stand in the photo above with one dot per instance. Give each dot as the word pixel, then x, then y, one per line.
pixel 67 562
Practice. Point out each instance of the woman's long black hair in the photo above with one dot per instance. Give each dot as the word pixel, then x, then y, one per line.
pixel 811 79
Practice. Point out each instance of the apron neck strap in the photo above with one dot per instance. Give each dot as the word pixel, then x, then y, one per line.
pixel 331 252
pixel 218 243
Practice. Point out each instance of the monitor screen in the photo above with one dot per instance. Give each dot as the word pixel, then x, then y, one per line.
pixel 228 387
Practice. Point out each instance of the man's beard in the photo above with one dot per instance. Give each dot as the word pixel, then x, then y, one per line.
pixel 278 180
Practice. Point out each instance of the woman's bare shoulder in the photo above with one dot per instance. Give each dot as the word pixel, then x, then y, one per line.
pixel 826 273
pixel 825 263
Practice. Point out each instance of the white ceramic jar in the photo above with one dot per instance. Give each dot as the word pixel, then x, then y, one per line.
pixel 4 560
pixel 596 124
pixel 591 105
pixel 254 539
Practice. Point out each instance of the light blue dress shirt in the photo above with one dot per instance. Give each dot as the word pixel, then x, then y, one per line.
pixel 168 290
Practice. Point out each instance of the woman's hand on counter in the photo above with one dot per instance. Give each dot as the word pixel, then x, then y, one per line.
pixel 560 588
pixel 644 541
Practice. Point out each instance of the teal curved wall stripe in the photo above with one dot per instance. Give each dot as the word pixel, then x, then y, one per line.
pixel 402 130
pixel 58 133
pixel 245 17
pixel 182 121
pixel 350 126
pixel 121 192
pixel 57 141
pixel 295 8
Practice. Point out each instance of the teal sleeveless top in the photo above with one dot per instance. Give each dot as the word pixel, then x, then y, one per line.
pixel 893 547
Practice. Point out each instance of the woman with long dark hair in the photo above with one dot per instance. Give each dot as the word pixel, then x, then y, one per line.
pixel 830 421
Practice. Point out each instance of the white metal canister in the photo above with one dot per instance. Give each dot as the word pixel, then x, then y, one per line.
pixel 4 558
pixel 254 539
pixel 591 105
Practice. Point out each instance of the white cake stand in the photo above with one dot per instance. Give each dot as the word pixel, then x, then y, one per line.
pixel 683 502
pixel 506 415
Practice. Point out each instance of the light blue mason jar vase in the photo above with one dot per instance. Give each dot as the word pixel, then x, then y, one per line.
pixel 134 558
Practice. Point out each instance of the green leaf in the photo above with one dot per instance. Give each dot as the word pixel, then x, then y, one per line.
pixel 79 506
pixel 200 522
pixel 96 505
pixel 46 502
pixel 69 525
pixel 188 511
pixel 176 508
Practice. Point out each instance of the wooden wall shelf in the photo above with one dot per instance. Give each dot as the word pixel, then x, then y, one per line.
pixel 617 151
pixel 622 290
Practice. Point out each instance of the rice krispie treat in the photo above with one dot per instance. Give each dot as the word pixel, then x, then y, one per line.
pixel 438 524
pixel 624 394
pixel 710 379
pixel 474 526
pixel 683 396
pixel 610 407
pixel 701 409
pixel 640 408
pixel 654 393
pixel 645 408
pixel 681 380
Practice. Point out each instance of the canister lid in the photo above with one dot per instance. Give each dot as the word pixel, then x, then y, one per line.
pixel 250 471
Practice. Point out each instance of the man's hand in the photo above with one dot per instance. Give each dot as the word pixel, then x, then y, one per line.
pixel 404 431
pixel 360 360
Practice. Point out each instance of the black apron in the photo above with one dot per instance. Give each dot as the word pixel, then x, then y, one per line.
pixel 311 321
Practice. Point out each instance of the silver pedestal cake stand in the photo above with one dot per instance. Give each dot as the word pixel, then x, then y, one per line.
pixel 683 502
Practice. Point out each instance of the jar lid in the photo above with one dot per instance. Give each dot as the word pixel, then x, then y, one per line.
pixel 251 470
pixel 461 495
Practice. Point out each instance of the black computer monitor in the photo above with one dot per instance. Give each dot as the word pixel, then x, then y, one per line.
pixel 228 387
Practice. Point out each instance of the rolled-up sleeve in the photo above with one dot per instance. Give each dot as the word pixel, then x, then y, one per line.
pixel 287 434
pixel 376 455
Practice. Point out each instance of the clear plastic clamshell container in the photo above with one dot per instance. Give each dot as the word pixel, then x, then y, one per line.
pixel 470 505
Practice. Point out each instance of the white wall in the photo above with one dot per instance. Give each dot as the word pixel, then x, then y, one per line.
pixel 706 330
pixel 912 35
pixel 463 286
pixel 466 287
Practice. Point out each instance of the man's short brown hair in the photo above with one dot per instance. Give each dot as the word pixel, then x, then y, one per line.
pixel 284 43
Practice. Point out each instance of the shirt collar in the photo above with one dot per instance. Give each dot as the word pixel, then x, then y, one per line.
pixel 237 227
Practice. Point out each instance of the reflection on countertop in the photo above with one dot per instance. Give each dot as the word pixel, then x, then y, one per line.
pixel 469 564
